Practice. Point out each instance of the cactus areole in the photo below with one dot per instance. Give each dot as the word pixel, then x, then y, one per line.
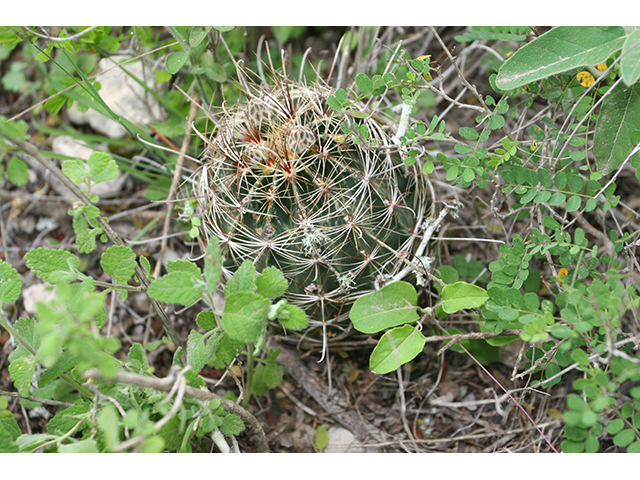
pixel 283 185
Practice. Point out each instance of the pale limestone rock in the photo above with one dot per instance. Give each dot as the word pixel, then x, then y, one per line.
pixel 123 95
pixel 342 440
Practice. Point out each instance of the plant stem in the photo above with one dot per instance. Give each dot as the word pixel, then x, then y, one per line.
pixel 249 388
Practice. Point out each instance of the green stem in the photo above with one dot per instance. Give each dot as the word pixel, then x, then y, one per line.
pixel 249 387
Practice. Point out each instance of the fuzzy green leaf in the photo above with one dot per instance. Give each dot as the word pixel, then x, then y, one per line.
pixel 99 167
pixel 271 283
pixel 18 171
pixel 244 280
pixel 245 316
pixel 138 358
pixel 10 284
pixel 206 320
pixel 81 446
pixel 108 422
pixel 85 236
pixel 119 261
pixel 177 287
pixel 21 371
pixel 196 351
pixel 51 265
pixel 232 424
pixel 394 304
pixel 269 374
pixel 614 135
pixel 396 347
pixel 559 50
pixel 292 317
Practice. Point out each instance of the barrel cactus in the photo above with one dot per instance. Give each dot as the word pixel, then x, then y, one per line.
pixel 285 183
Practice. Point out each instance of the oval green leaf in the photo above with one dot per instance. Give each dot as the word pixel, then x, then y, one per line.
pixel 462 295
pixel 619 118
pixel 395 348
pixel 394 304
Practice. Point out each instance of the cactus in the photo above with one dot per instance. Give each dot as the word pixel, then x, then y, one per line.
pixel 283 185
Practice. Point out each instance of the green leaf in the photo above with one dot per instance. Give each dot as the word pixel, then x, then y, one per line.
pixel 176 287
pixel 618 120
pixel 18 171
pixel 292 317
pixel 630 61
pixel 102 167
pixel 269 374
pixel 244 280
pixel 108 421
pixel 81 446
pixel 394 304
pixel 119 261
pixel 364 83
pixel 85 236
pixel 469 133
pixel 175 61
pixel 462 295
pixel 624 438
pixel 197 355
pixel 573 203
pixel 396 347
pixel 10 284
pixel 232 425
pixel 271 283
pixel 53 266
pixel 138 358
pixel 244 316
pixel 21 371
pixel 559 50
pixel 99 167
pixel 206 320
pixel 321 439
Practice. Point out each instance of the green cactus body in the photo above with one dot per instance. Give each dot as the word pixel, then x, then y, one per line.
pixel 284 187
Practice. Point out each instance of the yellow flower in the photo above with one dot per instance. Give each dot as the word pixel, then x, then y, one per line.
pixel 585 79
pixel 562 273
pixel 534 146
pixel 602 67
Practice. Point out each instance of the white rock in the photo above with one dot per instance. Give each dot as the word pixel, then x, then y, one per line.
pixel 123 95
pixel 342 440
pixel 39 292
pixel 70 147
